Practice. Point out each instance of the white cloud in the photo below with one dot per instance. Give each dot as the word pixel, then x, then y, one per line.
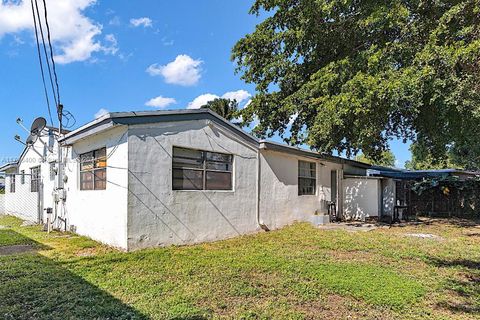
pixel 292 119
pixel 112 48
pixel 115 21
pixel 183 71
pixel 160 102
pixel 239 95
pixel 201 100
pixel 101 113
pixel 141 22
pixel 399 164
pixel 74 35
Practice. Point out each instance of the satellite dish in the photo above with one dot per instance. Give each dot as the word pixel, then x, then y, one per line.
pixel 37 126
pixel 31 140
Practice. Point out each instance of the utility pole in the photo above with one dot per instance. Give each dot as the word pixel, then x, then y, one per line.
pixel 60 153
pixel 60 192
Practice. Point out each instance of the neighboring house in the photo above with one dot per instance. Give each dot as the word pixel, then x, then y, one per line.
pixel 29 182
pixel 141 179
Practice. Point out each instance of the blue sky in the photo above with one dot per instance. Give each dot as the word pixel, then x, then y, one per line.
pixel 123 55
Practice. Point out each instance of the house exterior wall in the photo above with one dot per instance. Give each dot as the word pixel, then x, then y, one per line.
pixel 280 203
pixel 388 197
pixel 361 198
pixel 100 214
pixel 158 215
pixel 2 204
pixel 140 209
pixel 24 203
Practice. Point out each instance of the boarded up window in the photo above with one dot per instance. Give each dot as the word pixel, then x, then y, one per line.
pixel 201 170
pixel 93 170
pixel 307 178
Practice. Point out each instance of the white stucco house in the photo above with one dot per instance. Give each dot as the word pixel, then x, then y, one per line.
pixel 142 179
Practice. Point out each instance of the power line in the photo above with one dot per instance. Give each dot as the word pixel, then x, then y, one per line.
pixel 41 64
pixel 51 52
pixel 46 54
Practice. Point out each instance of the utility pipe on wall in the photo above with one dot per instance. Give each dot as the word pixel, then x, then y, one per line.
pixel 258 177
pixel 259 172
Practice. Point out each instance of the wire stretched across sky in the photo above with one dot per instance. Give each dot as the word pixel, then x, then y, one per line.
pixel 48 56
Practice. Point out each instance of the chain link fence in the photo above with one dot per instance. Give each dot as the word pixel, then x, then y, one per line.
pixel 22 197
pixel 2 199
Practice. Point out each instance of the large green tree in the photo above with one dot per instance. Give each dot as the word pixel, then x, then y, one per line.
pixel 387 159
pixel 226 108
pixel 355 73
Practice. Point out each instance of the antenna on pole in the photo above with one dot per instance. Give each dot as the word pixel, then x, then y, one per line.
pixel 18 139
pixel 20 123
pixel 29 143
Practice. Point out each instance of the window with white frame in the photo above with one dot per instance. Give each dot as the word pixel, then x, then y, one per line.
pixel 12 183
pixel 93 170
pixel 22 177
pixel 201 170
pixel 35 177
pixel 307 178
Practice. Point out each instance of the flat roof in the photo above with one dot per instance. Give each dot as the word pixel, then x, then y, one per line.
pixel 270 145
pixel 9 165
pixel 142 117
pixel 112 119
pixel 418 174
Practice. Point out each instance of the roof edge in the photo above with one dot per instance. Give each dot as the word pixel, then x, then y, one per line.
pixel 143 117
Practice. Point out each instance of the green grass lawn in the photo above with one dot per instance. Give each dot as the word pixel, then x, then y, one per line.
pixel 296 273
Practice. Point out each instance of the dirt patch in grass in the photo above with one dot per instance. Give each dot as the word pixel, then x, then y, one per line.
pixel 88 252
pixel 334 306
pixel 16 249
pixel 357 256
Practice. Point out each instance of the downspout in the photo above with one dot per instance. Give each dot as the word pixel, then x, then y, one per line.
pixel 340 192
pixel 259 172
pixel 257 178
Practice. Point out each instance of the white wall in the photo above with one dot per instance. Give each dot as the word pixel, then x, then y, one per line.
pixel 100 214
pixel 158 215
pixel 24 203
pixel 361 198
pixel 280 203
pixel 388 191
pixel 2 204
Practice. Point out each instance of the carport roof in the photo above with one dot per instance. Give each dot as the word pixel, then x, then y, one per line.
pixel 418 174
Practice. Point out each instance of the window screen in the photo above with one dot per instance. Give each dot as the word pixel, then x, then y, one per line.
pixel 307 178
pixel 35 179
pixel 93 170
pixel 201 170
